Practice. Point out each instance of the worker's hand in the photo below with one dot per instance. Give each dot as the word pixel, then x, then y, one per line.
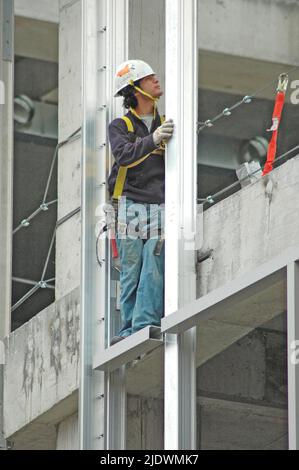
pixel 164 132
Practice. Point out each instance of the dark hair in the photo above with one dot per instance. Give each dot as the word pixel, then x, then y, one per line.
pixel 130 100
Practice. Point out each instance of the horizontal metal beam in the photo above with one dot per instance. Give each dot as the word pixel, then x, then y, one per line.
pixel 129 349
pixel 226 296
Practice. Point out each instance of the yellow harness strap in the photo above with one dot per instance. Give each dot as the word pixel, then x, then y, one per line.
pixel 129 123
pixel 122 172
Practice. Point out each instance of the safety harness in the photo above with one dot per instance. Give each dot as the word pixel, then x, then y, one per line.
pixel 122 172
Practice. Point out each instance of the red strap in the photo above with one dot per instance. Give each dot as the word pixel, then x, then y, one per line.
pixel 114 248
pixel 276 118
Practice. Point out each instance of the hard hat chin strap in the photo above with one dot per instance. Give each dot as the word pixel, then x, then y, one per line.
pixel 144 93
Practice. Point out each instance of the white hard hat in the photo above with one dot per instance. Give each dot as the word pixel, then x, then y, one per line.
pixel 131 70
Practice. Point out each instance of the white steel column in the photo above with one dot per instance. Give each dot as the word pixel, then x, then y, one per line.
pixel 93 279
pixel 104 47
pixel 117 49
pixel 6 159
pixel 181 194
pixel 293 355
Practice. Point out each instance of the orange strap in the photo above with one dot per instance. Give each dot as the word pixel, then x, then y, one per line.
pixel 276 118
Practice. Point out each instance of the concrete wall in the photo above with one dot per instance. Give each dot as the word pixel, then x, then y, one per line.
pixel 46 10
pixel 69 161
pixel 251 227
pixel 145 426
pixel 67 434
pixel 147 36
pixel 242 393
pixel 36 39
pixel 145 423
pixel 260 29
pixel 42 365
pixel 252 369
pixel 227 425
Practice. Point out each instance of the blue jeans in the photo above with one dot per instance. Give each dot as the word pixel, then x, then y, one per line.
pixel 142 271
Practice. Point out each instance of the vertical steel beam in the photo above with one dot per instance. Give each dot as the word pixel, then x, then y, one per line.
pixel 6 159
pixel 293 356
pixel 2 432
pixel 117 52
pixel 116 409
pixel 102 397
pixel 181 195
pixel 93 283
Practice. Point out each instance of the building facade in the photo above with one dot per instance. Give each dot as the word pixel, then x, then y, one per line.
pixel 222 371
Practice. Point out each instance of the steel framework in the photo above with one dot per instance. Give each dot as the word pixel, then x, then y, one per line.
pixel 181 217
pixel 103 369
pixel 105 43
pixel 104 39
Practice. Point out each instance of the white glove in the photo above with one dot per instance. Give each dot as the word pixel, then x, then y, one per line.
pixel 164 132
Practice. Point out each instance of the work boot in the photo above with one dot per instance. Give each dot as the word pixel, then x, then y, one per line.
pixel 116 339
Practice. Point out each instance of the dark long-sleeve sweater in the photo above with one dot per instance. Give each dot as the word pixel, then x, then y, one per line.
pixel 146 181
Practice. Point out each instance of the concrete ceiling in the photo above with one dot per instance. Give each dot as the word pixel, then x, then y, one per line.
pixel 36 39
pixel 239 75
pixel 46 10
pixel 226 326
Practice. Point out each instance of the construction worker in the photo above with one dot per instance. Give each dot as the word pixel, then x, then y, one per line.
pixel 137 182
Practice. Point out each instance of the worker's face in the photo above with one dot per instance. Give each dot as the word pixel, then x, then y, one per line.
pixel 152 86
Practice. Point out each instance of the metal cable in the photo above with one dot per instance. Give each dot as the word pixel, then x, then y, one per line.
pixel 26 222
pixel 50 174
pixel 25 297
pixel 72 138
pixel 42 284
pixel 246 100
pixel 32 283
pixel 24 281
pixel 211 199
pixel 67 217
pixel 48 256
